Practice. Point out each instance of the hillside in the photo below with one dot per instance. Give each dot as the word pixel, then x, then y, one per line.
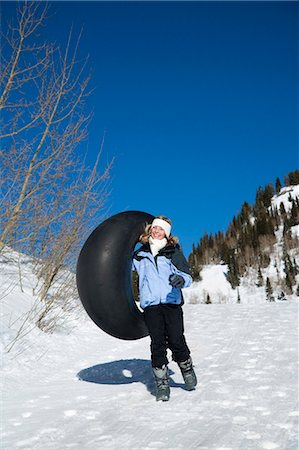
pixel 81 388
pixel 257 259
pixel 77 387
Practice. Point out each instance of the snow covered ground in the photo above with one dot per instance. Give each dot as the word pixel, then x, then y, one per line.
pixel 87 390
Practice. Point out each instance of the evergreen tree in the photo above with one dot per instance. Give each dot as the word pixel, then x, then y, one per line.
pixel 281 296
pixel 195 273
pixel 269 291
pixel 290 271
pixel 289 268
pixel 224 251
pixel 268 194
pixel 259 196
pixel 246 211
pixel 289 283
pixel 278 185
pixel 282 209
pixel 287 234
pixel 294 217
pixel 293 178
pixel 276 218
pixel 233 273
pixel 260 277
pixel 208 300
pixel 239 298
pixel 295 267
pixel 264 225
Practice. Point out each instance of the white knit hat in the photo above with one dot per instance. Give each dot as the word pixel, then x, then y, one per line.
pixel 163 224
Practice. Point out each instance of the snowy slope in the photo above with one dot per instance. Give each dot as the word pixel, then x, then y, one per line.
pixel 214 277
pixel 214 283
pixel 284 196
pixel 87 390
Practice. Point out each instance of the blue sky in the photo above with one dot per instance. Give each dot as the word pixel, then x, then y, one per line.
pixel 199 101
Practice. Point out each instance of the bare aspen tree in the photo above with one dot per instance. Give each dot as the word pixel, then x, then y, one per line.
pixel 39 134
pixel 61 249
pixel 49 196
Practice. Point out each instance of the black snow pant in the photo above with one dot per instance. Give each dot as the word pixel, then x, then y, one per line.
pixel 166 328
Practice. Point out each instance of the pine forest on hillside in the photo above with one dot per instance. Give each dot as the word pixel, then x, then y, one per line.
pixel 251 236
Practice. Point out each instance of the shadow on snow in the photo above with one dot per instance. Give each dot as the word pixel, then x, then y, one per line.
pixel 124 371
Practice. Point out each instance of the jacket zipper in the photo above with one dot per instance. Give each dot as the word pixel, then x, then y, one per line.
pixel 156 263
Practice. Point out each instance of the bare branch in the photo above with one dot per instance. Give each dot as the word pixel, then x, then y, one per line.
pixel 49 196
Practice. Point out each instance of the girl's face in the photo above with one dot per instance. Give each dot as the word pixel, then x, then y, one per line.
pixel 157 233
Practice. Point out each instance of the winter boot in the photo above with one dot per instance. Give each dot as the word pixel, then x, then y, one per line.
pixel 188 373
pixel 162 387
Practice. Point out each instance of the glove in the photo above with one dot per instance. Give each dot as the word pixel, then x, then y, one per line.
pixel 176 281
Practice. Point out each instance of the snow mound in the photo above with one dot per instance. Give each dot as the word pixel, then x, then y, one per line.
pixel 214 284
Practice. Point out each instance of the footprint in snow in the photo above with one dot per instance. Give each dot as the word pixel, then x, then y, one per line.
pixel 91 415
pixel 269 445
pixel 263 388
pixel 262 410
pixel 245 397
pixel 285 426
pixel 250 366
pixel 222 390
pixel 70 413
pixel 223 448
pixel 251 435
pixel 156 444
pixel 240 420
pixel 279 394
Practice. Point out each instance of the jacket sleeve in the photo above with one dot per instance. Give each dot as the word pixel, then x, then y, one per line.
pixel 181 266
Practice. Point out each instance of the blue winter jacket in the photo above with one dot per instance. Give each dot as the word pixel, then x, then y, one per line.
pixel 154 273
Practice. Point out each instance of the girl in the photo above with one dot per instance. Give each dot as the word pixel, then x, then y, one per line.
pixel 163 271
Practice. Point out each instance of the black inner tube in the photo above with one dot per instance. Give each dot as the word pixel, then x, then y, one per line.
pixel 104 278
